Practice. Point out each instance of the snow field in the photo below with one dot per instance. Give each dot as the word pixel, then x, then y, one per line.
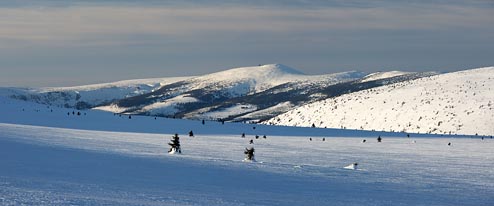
pixel 51 158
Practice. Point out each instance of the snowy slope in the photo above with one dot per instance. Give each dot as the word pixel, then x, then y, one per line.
pixel 457 103
pixel 87 96
pixel 383 75
pixel 50 158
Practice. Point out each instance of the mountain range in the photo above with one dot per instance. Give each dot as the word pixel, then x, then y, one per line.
pixel 278 94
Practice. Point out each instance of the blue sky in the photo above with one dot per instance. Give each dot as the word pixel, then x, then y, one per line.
pixel 63 43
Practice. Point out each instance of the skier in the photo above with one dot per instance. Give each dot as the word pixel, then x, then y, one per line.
pixel 251 141
pixel 257 136
pixel 363 141
pixel 310 139
pixel 264 136
pixel 323 139
pixel 379 138
pixel 203 122
pixel 191 134
pixel 243 135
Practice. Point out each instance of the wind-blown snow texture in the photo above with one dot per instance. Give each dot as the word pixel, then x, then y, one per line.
pixel 115 160
pixel 453 103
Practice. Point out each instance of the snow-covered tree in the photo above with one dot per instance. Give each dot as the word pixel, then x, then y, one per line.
pixel 249 154
pixel 174 145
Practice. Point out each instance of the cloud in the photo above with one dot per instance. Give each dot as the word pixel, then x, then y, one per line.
pixel 110 25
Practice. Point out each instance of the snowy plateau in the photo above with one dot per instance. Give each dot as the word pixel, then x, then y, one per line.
pixel 108 144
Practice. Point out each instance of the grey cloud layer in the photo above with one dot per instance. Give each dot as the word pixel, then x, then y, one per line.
pixel 106 40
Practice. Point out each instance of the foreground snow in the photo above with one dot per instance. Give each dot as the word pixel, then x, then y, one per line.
pixel 128 164
pixel 46 166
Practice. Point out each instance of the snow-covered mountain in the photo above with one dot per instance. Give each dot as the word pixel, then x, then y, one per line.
pixel 254 93
pixel 194 97
pixel 88 96
pixel 248 93
pixel 452 103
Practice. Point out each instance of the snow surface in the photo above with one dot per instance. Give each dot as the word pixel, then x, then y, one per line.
pixel 452 103
pixel 383 75
pixel 227 112
pixel 50 158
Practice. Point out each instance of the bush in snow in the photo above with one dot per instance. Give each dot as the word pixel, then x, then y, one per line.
pixel 174 145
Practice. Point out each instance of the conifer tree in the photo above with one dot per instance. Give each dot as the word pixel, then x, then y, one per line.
pixel 174 145
pixel 249 154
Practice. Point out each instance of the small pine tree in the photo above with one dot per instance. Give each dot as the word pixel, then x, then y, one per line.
pixel 249 154
pixel 174 145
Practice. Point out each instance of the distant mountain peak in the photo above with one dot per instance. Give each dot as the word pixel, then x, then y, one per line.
pixel 282 69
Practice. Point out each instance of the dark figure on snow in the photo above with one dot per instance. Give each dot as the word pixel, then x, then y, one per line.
pixel 174 145
pixel 73 112
pixel 203 122
pixel 449 143
pixel 379 139
pixel 313 125
pixel 257 136
pixel 363 141
pixel 243 135
pixel 310 139
pixel 249 154
pixel 264 136
pixel 251 141
pixel 130 117
pixel 408 135
pixel 222 121
pixel 78 113
pixel 68 113
pixel 323 139
pixel 253 127
pixel 191 134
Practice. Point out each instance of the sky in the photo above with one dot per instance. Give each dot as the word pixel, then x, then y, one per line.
pixel 68 43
